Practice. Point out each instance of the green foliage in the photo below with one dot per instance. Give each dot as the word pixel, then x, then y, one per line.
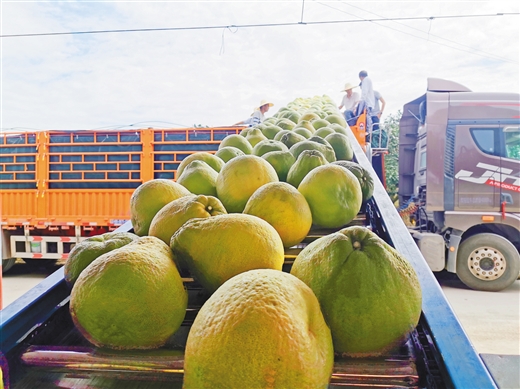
pixel 391 126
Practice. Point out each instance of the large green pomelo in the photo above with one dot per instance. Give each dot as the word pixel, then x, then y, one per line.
pixel 271 130
pixel 310 144
pixel 281 161
pixel 341 145
pixel 365 179
pixel 303 132
pixel 238 141
pixel 307 160
pixel 228 152
pixel 291 138
pixel 285 124
pixel 335 118
pixel 324 131
pixel 369 294
pixel 199 178
pixel 334 195
pixel 268 145
pixel 215 162
pixel 84 252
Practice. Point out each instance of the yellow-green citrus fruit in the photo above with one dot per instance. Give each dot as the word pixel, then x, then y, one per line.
pixel 199 178
pixel 130 298
pixel 238 141
pixel 228 152
pixel 174 214
pixel 333 194
pixel 283 207
pixel 268 145
pixel 84 252
pixel 307 160
pixel 217 248
pixel 255 136
pixel 239 179
pixel 303 132
pixel 338 119
pixel 281 161
pixel 271 130
pixel 365 179
pixel 324 131
pixel 261 329
pixel 369 294
pixel 341 145
pixel 215 162
pixel 148 198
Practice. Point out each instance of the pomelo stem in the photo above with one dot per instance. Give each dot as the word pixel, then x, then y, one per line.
pixel 357 245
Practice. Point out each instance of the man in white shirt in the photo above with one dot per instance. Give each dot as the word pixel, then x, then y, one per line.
pixel 367 91
pixel 349 101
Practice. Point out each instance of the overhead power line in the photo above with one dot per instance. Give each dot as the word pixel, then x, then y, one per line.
pixel 252 25
pixel 472 50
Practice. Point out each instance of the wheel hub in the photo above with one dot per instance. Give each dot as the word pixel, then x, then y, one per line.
pixel 487 263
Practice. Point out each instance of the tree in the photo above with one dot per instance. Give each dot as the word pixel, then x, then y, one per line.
pixel 391 126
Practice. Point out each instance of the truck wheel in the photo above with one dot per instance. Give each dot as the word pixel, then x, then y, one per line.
pixel 487 262
pixel 7 264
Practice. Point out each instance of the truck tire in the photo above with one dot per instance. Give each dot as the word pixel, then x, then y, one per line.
pixel 487 262
pixel 7 264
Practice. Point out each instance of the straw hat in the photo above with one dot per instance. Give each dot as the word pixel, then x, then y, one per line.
pixel 264 102
pixel 348 86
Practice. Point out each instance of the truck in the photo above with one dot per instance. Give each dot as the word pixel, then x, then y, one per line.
pixel 41 348
pixel 60 187
pixel 459 172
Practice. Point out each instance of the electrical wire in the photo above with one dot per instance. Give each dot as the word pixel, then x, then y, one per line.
pixel 250 25
pixel 488 55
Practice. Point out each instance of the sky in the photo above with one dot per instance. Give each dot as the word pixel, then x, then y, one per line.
pixel 217 74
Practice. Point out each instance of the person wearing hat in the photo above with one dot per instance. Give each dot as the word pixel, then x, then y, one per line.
pixel 258 115
pixel 349 101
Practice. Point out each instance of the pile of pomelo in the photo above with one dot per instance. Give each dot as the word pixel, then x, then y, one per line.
pixel 226 221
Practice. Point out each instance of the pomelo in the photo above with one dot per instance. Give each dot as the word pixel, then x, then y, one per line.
pixel 86 251
pixel 215 162
pixel 268 145
pixel 341 145
pixel 148 198
pixel 291 138
pixel 314 143
pixel 199 178
pixel 369 294
pixel 217 248
pixel 261 329
pixel 255 136
pixel 228 152
pixel 281 161
pixel 334 195
pixel 283 207
pixel 240 177
pixel 238 141
pixel 303 132
pixel 365 179
pixel 130 298
pixel 174 214
pixel 307 160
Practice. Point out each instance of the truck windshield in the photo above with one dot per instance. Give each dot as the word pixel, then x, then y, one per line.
pixel 512 142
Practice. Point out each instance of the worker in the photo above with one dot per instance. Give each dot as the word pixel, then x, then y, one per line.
pixel 378 110
pixel 349 101
pixel 367 95
pixel 367 91
pixel 258 115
